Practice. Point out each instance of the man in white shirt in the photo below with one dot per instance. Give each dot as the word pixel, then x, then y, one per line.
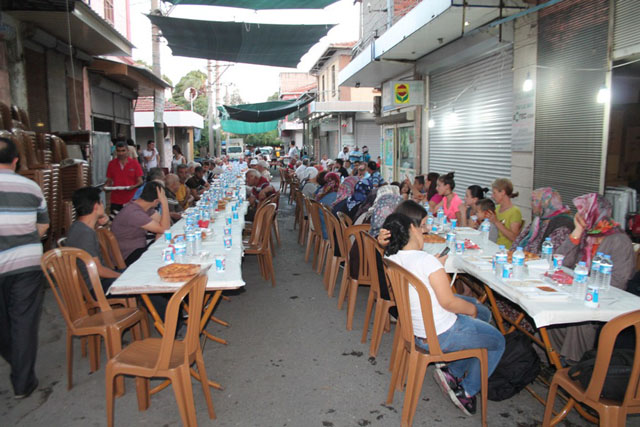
pixel 263 168
pixel 151 156
pixel 324 161
pixel 301 170
pixel 345 154
pixel 293 151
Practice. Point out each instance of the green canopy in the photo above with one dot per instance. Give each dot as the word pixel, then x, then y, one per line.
pixel 260 4
pixel 264 111
pixel 263 44
pixel 246 128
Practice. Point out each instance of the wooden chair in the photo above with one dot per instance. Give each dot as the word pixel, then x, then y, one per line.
pixel 110 249
pixel 167 357
pixel 373 254
pixel 337 253
pixel 311 232
pixel 350 283
pixel 611 413
pixel 301 217
pixel 75 302
pixel 414 358
pixel 263 248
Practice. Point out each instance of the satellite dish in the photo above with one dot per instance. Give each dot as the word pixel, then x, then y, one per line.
pixel 190 94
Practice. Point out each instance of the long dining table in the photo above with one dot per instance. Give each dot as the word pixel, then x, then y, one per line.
pixel 562 306
pixel 141 278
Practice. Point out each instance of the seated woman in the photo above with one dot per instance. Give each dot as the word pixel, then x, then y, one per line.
pixel 594 231
pixel 471 197
pixel 460 324
pixel 405 189
pixel 550 219
pixel 451 203
pixel 311 185
pixel 507 218
pixel 345 190
pixel 327 195
pixel 432 193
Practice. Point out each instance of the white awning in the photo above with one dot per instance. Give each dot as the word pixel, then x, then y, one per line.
pixel 173 119
pixel 341 107
pixel 427 27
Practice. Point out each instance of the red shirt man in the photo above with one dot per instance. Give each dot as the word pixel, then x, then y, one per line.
pixel 123 171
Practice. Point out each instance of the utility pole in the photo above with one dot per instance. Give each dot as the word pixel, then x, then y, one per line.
pixel 158 95
pixel 217 104
pixel 210 109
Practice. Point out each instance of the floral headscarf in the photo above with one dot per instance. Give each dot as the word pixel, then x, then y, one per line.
pixel 332 182
pixel 382 208
pixel 546 203
pixel 346 189
pixel 596 211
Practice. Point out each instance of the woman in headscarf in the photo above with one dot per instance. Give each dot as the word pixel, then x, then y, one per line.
pixel 329 191
pixel 345 190
pixel 309 189
pixel 550 219
pixel 386 202
pixel 594 231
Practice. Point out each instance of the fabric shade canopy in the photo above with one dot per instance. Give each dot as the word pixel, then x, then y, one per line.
pixel 260 4
pixel 262 44
pixel 264 111
pixel 246 128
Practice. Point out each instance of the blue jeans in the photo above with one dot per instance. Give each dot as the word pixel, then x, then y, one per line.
pixel 484 313
pixel 467 333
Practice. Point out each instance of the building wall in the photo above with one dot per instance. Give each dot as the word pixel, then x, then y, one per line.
pixel 58 108
pixel 5 88
pixel 290 82
pixel 525 48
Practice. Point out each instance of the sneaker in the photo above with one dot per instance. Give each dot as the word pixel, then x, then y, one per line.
pixel 466 404
pixel 447 382
pixel 28 393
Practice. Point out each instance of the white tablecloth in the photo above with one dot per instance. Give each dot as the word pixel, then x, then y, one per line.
pixel 545 310
pixel 142 277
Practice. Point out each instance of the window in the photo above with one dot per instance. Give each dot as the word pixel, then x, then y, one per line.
pixel 333 80
pixel 322 90
pixel 108 11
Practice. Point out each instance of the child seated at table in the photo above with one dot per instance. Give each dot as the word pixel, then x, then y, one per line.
pixel 482 207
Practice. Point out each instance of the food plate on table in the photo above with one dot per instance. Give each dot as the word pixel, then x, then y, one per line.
pixel 468 244
pixel 178 272
pixel 558 277
pixel 543 292
pixel 433 238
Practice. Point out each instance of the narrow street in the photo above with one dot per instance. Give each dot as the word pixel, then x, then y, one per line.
pixel 290 362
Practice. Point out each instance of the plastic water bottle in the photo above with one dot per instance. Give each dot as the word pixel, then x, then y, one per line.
pixel 518 263
pixel 595 269
pixel 606 268
pixel 198 243
pixel 547 252
pixel 485 228
pixel 501 260
pixel 191 243
pixel 454 224
pixel 580 274
pixel 440 216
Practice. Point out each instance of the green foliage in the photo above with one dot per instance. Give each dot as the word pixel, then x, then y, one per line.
pixel 263 139
pixel 274 97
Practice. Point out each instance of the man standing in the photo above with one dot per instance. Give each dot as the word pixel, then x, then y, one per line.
pixel 151 156
pixel 366 157
pixel 345 154
pixel 82 234
pixel 355 155
pixel 123 171
pixel 293 151
pixel 24 221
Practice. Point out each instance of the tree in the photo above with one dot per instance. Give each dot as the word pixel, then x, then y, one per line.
pixel 274 97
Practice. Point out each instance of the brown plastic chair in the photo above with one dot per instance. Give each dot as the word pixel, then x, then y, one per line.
pixel 301 218
pixel 350 283
pixel 345 219
pixel 263 248
pixel 110 249
pixel 373 252
pixel 336 246
pixel 320 244
pixel 414 358
pixel 76 303
pixel 167 357
pixel 611 413
pixel 312 235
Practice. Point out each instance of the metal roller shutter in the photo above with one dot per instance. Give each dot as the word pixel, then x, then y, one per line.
pixel 626 36
pixel 368 133
pixel 478 147
pixel 569 122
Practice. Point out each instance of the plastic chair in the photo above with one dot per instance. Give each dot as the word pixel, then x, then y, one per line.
pixel 345 219
pixel 312 235
pixel 336 246
pixel 414 358
pixel 611 413
pixel 373 253
pixel 350 282
pixel 76 303
pixel 167 357
pixel 110 249
pixel 263 247
pixel 319 243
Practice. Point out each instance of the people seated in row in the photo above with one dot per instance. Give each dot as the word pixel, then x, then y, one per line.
pixel 90 214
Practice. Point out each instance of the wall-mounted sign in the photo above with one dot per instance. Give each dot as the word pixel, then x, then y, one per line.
pixel 402 93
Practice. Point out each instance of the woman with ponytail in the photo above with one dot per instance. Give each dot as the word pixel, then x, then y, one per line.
pixel 460 323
